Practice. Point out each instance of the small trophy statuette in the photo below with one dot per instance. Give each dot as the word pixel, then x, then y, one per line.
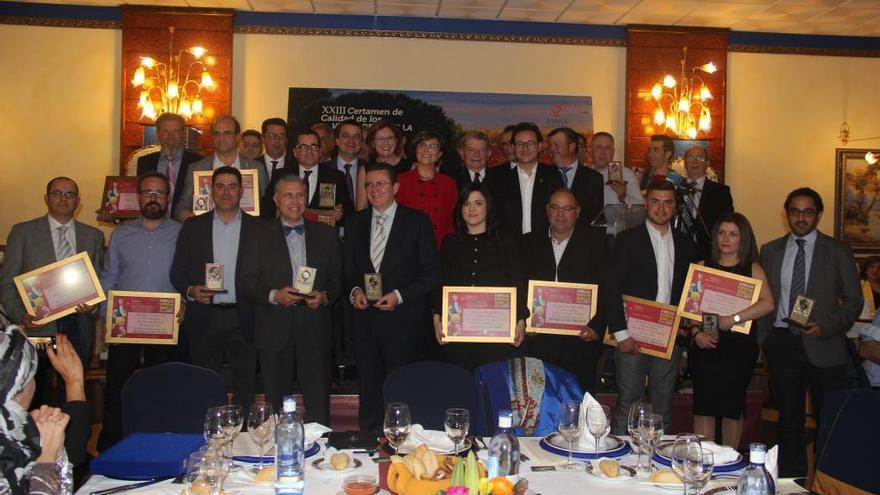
pixel 710 325
pixel 801 311
pixel 305 280
pixel 373 287
pixel 214 277
pixel 327 195
pixel 615 172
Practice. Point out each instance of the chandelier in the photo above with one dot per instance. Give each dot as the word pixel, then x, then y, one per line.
pixel 174 87
pixel 681 104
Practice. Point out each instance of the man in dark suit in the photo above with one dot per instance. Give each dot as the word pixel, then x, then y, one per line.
pixel 275 159
pixel 650 262
pixel 172 160
pixel 349 140
pixel 219 323
pixel 398 244
pixel 568 253
pixel 473 147
pixel 586 184
pixel 39 242
pixel 293 330
pixel 806 262
pixel 708 200
pixel 523 191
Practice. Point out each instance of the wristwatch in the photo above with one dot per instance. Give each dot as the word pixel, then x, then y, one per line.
pixel 737 319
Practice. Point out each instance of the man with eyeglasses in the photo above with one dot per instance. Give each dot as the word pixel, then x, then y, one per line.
pixel 172 160
pixel 584 182
pixel 387 333
pixel 219 324
pixel 523 191
pixel 568 252
pixel 37 243
pixel 226 135
pixel 473 147
pixel 806 262
pixel 138 259
pixel 704 200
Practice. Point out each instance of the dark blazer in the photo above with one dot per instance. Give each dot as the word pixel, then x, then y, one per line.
pixel 715 199
pixel 833 284
pixel 633 271
pixel 584 261
pixel 326 175
pixel 505 188
pixel 195 247
pixel 463 177
pixel 150 163
pixel 410 265
pixel 588 187
pixel 267 266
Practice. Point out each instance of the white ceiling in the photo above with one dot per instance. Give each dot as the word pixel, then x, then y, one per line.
pixel 831 17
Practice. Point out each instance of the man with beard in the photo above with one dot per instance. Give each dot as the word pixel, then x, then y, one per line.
pixel 138 259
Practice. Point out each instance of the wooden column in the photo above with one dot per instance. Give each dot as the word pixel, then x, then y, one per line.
pixel 652 52
pixel 145 34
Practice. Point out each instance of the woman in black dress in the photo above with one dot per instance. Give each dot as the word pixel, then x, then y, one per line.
pixel 722 368
pixel 478 255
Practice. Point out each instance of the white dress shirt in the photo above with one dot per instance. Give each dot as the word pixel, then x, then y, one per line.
pixel 70 234
pixel 218 163
pixel 313 180
pixel 633 194
pixel 698 185
pixel 558 249
pixel 788 267
pixel 268 161
pixel 526 186
pixel 389 221
pixel 482 173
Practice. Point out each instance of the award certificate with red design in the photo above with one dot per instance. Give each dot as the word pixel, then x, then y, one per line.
pixel 142 317
pixel 120 197
pixel 55 290
pixel 707 290
pixel 653 325
pixel 479 314
pixel 560 308
pixel 250 198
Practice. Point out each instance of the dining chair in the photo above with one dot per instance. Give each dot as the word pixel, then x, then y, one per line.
pixel 430 388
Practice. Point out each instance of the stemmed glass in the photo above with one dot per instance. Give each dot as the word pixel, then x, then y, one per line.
pixel 397 424
pixel 232 422
pixel 457 423
pixel 598 423
pixel 686 453
pixel 215 433
pixel 261 426
pixel 213 469
pixel 636 412
pixel 703 471
pixel 651 431
pixel 569 426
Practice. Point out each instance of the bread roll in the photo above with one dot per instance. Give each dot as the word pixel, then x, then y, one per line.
pixel 265 475
pixel 665 476
pixel 609 468
pixel 339 461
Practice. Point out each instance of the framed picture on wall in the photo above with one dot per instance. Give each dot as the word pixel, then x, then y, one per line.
pixel 857 197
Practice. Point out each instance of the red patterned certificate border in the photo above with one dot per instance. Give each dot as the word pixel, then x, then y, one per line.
pixel 55 290
pixel 707 290
pixel 560 308
pixel 142 317
pixel 479 314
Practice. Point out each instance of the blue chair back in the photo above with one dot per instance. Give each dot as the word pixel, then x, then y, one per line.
pixel 846 461
pixel 170 398
pixel 430 388
pixel 493 395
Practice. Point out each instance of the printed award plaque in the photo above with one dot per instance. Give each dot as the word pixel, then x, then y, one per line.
pixel 560 308
pixel 55 290
pixel 479 314
pixel 707 290
pixel 305 280
pixel 214 278
pixel 326 195
pixel 142 317
pixel 373 287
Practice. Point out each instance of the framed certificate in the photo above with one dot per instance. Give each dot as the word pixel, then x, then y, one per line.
pixel 707 290
pixel 142 317
pixel 320 216
pixel 120 198
pixel 55 290
pixel 653 325
pixel 868 310
pixel 479 314
pixel 250 198
pixel 560 308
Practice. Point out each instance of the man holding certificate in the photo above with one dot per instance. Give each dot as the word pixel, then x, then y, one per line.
pixel 206 270
pixel 650 262
pixel 292 273
pixel 138 259
pixel 819 297
pixel 574 254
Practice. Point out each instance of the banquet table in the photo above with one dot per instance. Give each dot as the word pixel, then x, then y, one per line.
pixel 540 483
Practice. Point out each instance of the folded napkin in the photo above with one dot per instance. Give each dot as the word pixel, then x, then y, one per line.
pixel 244 445
pixel 435 440
pixel 771 463
pixel 720 453
pixel 314 431
pixel 587 441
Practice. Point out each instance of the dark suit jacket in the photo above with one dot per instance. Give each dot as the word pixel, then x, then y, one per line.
pixel 195 247
pixel 410 265
pixel 714 201
pixel 505 188
pixel 463 177
pixel 326 175
pixel 633 271
pixel 266 266
pixel 833 284
pixel 588 187
pixel 150 163
pixel 584 261
pixel 331 163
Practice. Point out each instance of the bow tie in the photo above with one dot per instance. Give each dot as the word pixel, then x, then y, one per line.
pixel 299 229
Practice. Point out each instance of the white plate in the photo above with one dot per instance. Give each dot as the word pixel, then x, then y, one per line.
pixel 670 487
pixel 324 465
pixel 626 472
pixel 463 447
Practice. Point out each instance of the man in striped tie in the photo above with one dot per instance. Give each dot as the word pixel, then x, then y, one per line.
pixel 396 243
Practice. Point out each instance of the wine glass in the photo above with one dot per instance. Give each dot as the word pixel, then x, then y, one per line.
pixel 651 431
pixel 261 426
pixel 232 420
pixel 457 423
pixel 213 469
pixel 685 451
pixel 215 434
pixel 397 424
pixel 598 423
pixel 636 412
pixel 569 426
pixel 703 470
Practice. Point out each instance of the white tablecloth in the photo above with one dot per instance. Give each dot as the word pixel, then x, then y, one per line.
pixel 541 483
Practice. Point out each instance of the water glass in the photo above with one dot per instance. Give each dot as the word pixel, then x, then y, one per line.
pixel 703 471
pixel 651 431
pixel 232 420
pixel 457 424
pixel 636 412
pixel 569 426
pixel 686 451
pixel 397 424
pixel 215 433
pixel 261 427
pixel 598 422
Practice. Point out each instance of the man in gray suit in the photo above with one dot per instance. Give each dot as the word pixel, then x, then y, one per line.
pixel 806 262
pixel 226 134
pixel 42 241
pixel 293 331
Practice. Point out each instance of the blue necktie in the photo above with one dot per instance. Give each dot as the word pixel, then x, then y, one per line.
pixel 299 229
pixel 564 171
